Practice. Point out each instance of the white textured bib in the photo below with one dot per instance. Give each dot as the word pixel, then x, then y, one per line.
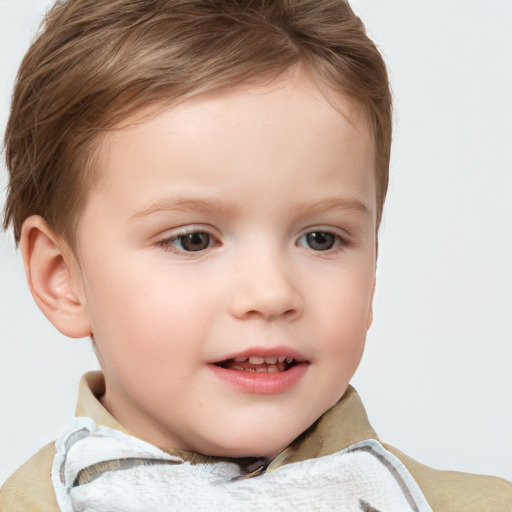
pixel 97 469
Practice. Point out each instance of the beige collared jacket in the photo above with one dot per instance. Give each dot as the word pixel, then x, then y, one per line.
pixel 30 488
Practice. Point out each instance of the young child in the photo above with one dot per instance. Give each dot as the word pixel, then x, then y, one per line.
pixel 198 186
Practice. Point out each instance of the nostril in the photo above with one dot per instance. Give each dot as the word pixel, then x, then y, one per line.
pixel 289 314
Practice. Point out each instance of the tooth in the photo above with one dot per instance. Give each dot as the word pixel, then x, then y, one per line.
pixel 262 369
pixel 256 360
pixel 250 370
pixel 240 359
pixel 271 360
pixel 289 360
pixel 235 367
pixel 273 369
pixel 281 359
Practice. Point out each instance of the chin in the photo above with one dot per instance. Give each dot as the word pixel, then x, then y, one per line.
pixel 248 446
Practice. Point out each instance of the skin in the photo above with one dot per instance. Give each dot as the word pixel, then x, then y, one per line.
pixel 255 170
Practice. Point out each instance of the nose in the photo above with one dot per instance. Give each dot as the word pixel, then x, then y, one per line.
pixel 265 287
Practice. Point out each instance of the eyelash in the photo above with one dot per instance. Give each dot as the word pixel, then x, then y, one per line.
pixel 339 243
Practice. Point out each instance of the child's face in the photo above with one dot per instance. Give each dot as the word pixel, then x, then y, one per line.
pixel 238 224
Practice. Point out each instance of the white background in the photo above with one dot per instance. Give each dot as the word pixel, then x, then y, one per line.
pixel 436 377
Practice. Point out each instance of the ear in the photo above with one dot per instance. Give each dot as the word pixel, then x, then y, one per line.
pixel 53 277
pixel 369 319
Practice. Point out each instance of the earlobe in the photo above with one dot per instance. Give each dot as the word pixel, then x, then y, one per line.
pixel 52 278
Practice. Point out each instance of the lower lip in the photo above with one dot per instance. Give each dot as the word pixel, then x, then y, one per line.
pixel 262 383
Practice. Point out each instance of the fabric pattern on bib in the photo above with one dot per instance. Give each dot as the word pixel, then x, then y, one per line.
pixel 104 470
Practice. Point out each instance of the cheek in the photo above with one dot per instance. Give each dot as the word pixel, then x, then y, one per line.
pixel 343 312
pixel 346 298
pixel 146 315
pixel 341 345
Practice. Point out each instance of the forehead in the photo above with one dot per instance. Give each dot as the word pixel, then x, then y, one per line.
pixel 240 132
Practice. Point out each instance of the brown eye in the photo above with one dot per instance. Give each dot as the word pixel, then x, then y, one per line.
pixel 320 240
pixel 196 241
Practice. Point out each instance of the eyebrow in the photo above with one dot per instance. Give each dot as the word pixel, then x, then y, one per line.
pixel 192 205
pixel 186 205
pixel 351 205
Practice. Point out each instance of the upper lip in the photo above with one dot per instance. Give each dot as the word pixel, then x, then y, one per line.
pixel 264 352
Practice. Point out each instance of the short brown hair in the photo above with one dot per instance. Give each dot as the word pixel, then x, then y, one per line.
pixel 96 62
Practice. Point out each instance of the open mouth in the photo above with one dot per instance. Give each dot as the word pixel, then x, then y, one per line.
pixel 273 364
pixel 261 371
